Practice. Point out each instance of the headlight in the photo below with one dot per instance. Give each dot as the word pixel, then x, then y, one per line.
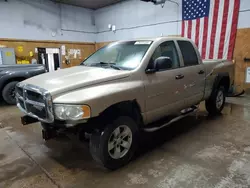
pixel 71 112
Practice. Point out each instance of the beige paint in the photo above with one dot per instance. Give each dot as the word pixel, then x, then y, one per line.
pixel 157 94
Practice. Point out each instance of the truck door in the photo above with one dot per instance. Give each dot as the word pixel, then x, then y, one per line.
pixel 194 73
pixel 164 88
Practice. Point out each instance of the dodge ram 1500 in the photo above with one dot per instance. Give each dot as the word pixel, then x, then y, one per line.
pixel 122 88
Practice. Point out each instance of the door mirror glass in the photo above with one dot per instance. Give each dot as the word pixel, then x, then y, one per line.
pixel 163 63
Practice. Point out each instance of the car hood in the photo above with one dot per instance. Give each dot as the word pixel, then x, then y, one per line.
pixel 73 78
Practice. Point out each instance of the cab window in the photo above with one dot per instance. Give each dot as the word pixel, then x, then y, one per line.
pixel 188 53
pixel 166 49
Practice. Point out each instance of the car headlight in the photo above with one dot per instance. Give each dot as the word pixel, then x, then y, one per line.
pixel 71 112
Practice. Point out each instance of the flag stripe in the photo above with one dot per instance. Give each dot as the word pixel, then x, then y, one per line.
pixel 193 31
pixel 210 23
pixel 201 34
pixel 234 28
pixel 218 29
pixel 214 27
pixel 205 38
pixel 223 29
pixel 183 28
pixel 228 30
pixel 186 29
pixel 197 32
pixel 189 28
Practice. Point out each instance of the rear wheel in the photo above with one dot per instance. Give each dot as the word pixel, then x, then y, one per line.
pixel 8 93
pixel 116 144
pixel 216 102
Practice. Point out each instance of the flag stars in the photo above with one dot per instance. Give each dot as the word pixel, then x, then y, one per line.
pixel 193 9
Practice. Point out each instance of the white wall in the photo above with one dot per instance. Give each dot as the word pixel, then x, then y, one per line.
pixel 134 18
pixel 244 14
pixel 37 19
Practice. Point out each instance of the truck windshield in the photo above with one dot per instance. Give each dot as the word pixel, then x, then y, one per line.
pixel 121 55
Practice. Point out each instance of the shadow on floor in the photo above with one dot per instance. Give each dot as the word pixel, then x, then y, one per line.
pixel 75 155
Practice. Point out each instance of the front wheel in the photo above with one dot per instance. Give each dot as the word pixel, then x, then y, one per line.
pixel 116 144
pixel 216 102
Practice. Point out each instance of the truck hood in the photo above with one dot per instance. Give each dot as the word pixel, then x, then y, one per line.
pixel 73 78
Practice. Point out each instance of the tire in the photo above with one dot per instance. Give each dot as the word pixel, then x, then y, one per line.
pixel 8 93
pixel 105 155
pixel 214 105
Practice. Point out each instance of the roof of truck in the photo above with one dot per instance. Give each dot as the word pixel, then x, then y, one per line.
pixel 156 39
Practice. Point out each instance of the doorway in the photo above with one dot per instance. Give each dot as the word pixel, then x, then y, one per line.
pixel 50 58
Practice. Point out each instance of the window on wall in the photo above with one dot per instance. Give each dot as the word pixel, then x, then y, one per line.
pixel 188 53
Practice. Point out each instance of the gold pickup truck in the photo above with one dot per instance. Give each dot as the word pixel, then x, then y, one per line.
pixel 121 89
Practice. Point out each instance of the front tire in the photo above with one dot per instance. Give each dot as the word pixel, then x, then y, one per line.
pixel 8 93
pixel 216 102
pixel 115 145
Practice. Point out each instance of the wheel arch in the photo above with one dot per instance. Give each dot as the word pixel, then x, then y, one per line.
pixel 129 108
pixel 11 79
pixel 222 79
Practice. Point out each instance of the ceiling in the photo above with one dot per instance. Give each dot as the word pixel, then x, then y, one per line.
pixel 91 4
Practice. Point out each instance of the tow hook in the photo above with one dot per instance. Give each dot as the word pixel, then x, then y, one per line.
pixel 26 120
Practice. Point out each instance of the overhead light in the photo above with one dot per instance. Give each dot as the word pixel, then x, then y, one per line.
pixel 156 2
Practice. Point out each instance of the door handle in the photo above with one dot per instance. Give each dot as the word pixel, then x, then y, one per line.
pixel 201 72
pixel 178 77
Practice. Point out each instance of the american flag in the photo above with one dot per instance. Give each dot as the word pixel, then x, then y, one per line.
pixel 212 25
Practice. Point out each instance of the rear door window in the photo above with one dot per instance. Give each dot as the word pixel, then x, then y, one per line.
pixel 188 53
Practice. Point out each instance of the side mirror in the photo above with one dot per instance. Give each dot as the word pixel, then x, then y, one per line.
pixel 163 63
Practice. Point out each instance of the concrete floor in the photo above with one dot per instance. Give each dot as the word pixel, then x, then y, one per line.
pixel 202 152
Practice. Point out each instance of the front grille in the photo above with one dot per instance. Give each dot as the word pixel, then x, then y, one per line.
pixel 36 110
pixel 35 102
pixel 33 96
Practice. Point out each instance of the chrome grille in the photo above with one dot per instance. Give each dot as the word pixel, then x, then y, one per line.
pixel 33 96
pixel 35 102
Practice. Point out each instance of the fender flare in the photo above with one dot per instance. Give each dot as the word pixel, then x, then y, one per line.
pixel 221 77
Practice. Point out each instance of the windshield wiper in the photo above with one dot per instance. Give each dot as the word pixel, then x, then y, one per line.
pixel 116 67
pixel 111 65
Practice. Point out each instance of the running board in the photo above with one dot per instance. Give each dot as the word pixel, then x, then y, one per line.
pixel 184 113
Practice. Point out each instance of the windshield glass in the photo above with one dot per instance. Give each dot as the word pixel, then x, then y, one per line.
pixel 121 55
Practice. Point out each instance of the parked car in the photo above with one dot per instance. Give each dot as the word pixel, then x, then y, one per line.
pixel 123 88
pixel 10 75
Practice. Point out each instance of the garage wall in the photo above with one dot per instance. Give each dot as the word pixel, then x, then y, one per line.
pixel 28 47
pixel 134 18
pixel 242 46
pixel 43 20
